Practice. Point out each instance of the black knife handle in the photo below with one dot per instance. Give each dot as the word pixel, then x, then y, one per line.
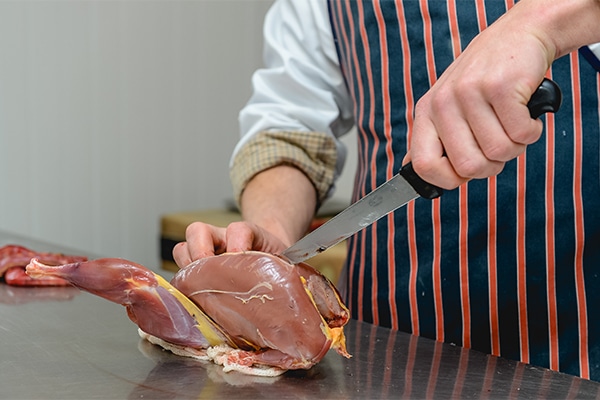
pixel 424 189
pixel 546 98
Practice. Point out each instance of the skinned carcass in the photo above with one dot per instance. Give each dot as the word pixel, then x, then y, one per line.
pixel 250 311
pixel 14 259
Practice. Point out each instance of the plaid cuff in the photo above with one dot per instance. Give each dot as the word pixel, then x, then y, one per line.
pixel 314 153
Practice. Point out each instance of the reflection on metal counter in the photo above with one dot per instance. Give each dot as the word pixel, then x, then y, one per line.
pixel 62 350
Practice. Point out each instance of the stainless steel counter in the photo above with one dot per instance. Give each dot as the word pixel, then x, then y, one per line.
pixel 59 343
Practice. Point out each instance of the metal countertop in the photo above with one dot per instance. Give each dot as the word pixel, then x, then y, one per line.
pixel 60 343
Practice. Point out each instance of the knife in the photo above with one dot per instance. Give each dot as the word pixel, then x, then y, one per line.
pixel 395 193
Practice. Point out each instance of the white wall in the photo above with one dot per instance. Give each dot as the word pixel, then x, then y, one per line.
pixel 113 113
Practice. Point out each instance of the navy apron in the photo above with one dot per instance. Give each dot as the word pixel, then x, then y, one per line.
pixel 508 265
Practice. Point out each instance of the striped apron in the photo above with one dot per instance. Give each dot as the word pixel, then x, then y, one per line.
pixel 508 265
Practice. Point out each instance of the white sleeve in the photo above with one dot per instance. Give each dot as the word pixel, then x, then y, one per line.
pixel 301 87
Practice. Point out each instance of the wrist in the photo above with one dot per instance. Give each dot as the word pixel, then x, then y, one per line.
pixel 561 26
pixel 281 200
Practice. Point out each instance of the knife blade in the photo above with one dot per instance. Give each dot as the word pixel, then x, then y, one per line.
pixel 402 188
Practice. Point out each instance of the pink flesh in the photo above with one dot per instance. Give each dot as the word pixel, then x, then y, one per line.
pixel 14 258
pixel 16 276
pixel 260 298
pixel 326 296
pixel 149 305
pixel 258 302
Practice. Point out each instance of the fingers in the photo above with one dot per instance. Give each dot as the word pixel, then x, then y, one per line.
pixel 205 240
pixel 468 134
pixel 427 151
pixel 202 240
pixel 242 236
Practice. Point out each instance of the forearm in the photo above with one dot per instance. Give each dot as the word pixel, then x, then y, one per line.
pixel 281 200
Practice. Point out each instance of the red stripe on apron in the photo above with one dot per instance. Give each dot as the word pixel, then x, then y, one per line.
pixel 387 128
pixel 464 220
pixel 360 289
pixel 521 272
pixel 579 223
pixel 435 206
pixel 550 245
pixel 373 261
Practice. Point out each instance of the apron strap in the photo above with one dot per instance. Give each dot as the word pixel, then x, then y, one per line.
pixel 592 54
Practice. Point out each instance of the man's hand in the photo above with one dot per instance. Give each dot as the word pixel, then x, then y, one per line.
pixel 475 117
